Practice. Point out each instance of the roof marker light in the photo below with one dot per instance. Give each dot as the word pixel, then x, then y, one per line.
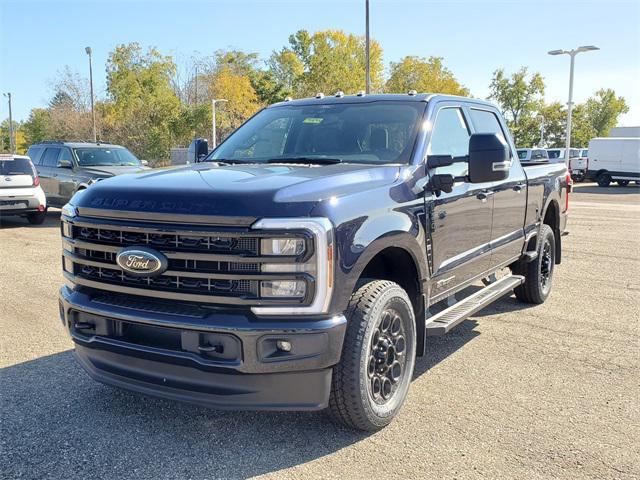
pixel 412 93
pixel 339 94
pixel 320 95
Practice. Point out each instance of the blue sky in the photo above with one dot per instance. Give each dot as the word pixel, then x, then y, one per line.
pixel 38 38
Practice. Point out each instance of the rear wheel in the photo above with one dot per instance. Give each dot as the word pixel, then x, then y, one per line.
pixel 604 179
pixel 370 384
pixel 36 218
pixel 538 274
pixel 623 183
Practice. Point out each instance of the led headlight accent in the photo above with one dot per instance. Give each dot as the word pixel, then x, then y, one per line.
pixel 69 210
pixel 283 289
pixel 319 265
pixel 282 246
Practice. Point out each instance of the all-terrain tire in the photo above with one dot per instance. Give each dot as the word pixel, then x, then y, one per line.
pixel 353 401
pixel 538 274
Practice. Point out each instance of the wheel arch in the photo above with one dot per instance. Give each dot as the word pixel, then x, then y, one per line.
pixel 398 258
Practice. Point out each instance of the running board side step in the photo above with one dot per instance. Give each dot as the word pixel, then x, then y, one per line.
pixel 442 322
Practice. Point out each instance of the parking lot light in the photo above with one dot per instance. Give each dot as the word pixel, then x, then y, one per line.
pixel 572 54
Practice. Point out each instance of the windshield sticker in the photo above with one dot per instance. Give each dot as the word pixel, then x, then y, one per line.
pixel 313 120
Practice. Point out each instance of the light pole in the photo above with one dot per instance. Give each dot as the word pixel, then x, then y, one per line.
pixel 366 50
pixel 93 112
pixel 12 143
pixel 213 120
pixel 541 118
pixel 572 54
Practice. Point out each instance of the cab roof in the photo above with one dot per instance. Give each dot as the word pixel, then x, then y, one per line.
pixel 339 97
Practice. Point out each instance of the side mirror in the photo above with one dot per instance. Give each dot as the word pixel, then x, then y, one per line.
pixel 64 163
pixel 488 158
pixel 144 163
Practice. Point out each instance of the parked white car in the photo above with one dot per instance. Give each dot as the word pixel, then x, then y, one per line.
pixel 20 190
pixel 614 159
pixel 578 165
pixel 556 155
pixel 533 155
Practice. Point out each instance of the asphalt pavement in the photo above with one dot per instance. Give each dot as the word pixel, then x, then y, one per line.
pixel 516 391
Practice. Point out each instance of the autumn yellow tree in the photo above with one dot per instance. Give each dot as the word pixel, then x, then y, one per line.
pixel 326 62
pixel 422 75
pixel 242 100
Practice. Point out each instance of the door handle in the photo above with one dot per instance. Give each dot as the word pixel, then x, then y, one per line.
pixel 484 195
pixel 519 187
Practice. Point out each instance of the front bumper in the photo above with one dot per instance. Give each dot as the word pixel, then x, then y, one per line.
pixel 165 349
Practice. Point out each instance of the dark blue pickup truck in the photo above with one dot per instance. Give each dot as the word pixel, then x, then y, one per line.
pixel 307 260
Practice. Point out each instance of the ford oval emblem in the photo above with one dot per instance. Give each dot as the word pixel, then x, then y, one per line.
pixel 141 261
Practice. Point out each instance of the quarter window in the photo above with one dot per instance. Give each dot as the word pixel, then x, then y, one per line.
pixel 34 153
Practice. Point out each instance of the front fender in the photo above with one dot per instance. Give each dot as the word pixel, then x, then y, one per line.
pixel 361 240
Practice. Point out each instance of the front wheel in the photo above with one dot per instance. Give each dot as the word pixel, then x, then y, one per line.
pixel 604 179
pixel 538 274
pixel 370 384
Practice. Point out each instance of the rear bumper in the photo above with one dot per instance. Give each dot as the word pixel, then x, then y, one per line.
pixel 18 201
pixel 251 373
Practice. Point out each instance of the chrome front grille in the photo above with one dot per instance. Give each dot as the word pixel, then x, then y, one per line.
pixel 216 267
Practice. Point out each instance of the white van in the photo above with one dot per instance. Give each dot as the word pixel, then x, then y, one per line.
pixel 614 159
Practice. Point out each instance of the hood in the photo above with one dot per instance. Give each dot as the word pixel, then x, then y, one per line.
pixel 112 170
pixel 239 190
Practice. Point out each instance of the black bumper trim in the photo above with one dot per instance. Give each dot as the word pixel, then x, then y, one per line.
pixel 307 390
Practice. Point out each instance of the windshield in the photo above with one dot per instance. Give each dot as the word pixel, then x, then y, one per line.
pixel 522 154
pixel 376 132
pixel 113 156
pixel 17 166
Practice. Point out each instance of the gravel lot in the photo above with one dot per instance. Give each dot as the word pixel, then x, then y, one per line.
pixel 515 392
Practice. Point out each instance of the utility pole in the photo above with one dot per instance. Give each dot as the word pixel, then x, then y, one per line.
pixel 12 143
pixel 214 142
pixel 367 52
pixel 195 96
pixel 572 54
pixel 93 112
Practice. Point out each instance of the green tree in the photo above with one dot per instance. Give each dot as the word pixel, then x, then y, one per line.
pixel 603 110
pixel 519 98
pixel 38 126
pixel 422 75
pixel 326 61
pixel 143 105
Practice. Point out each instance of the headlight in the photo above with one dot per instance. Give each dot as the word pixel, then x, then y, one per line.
pixel 69 210
pixel 318 264
pixel 283 289
pixel 282 246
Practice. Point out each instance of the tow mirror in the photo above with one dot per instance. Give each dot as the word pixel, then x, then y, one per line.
pixel 489 159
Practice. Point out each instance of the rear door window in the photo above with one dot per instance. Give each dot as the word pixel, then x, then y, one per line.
pixel 485 121
pixel 50 157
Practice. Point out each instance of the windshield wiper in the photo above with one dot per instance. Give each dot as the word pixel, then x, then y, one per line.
pixel 227 161
pixel 317 160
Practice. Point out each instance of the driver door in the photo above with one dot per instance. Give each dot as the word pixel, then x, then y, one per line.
pixel 461 219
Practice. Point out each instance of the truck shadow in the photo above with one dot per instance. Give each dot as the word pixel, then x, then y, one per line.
pixel 52 220
pixel 56 420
